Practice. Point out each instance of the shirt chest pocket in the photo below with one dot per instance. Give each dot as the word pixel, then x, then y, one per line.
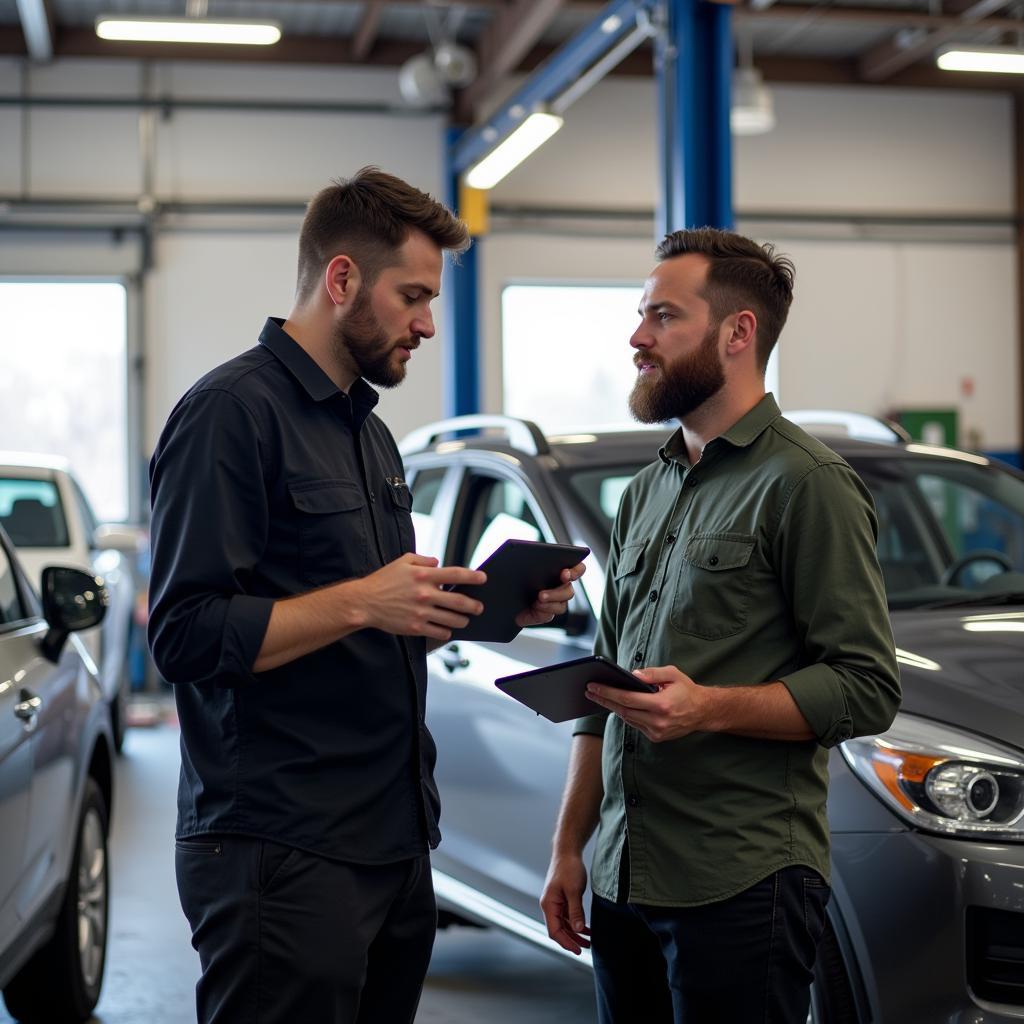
pixel 401 511
pixel 713 585
pixel 332 530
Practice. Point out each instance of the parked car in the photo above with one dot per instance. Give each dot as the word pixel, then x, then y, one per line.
pixel 926 923
pixel 48 517
pixel 56 751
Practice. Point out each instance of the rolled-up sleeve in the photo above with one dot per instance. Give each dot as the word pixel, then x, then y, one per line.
pixel 209 530
pixel 825 551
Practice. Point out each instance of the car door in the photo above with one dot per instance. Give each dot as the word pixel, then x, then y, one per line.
pixel 20 666
pixel 500 767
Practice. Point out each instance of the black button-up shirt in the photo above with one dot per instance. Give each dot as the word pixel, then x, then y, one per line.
pixel 268 481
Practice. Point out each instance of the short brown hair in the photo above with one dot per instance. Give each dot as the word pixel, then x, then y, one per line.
pixel 741 275
pixel 369 216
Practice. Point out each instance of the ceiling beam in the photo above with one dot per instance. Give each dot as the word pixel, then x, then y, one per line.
pixel 884 60
pixel 366 31
pixel 37 27
pixel 505 42
pixel 868 16
pixel 846 71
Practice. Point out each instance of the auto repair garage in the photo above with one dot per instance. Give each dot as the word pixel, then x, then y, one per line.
pixel 223 676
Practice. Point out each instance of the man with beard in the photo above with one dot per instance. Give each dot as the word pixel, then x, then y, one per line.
pixel 293 617
pixel 743 582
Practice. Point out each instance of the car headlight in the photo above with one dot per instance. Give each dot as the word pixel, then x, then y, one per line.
pixel 942 779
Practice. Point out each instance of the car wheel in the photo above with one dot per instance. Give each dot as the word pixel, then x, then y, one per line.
pixel 832 1000
pixel 62 981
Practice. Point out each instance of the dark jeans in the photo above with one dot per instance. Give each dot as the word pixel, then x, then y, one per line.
pixel 744 960
pixel 285 937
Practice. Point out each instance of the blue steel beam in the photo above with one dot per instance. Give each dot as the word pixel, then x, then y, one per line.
pixel 694 74
pixel 552 78
pixel 693 63
pixel 460 349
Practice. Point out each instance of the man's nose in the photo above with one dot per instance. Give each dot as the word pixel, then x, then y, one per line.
pixel 423 326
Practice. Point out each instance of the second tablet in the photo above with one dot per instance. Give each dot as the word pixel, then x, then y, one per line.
pixel 516 573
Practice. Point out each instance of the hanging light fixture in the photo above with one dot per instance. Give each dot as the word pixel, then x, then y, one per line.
pixel 528 137
pixel 1007 60
pixel 194 27
pixel 753 108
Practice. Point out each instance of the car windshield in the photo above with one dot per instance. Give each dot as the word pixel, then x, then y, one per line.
pixel 950 528
pixel 32 514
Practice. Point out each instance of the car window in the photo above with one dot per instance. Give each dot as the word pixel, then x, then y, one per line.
pixel 946 527
pixel 497 510
pixel 425 487
pixel 601 491
pixel 32 514
pixel 11 609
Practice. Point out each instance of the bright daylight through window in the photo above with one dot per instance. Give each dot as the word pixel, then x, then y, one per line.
pixel 63 387
pixel 567 361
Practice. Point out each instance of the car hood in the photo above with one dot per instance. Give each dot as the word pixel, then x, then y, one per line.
pixel 965 666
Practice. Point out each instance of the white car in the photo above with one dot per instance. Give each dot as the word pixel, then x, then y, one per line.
pixel 49 519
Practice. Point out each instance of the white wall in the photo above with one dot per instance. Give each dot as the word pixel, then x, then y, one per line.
pixel 876 324
pixel 213 282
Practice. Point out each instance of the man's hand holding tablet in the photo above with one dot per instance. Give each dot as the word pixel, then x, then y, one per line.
pixel 559 692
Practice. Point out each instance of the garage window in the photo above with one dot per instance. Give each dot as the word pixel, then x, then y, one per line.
pixel 64 386
pixel 566 357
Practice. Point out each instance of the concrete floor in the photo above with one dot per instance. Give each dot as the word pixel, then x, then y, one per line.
pixel 152 969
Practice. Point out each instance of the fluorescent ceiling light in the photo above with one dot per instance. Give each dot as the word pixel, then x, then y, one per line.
pixel 187 30
pixel 1003 59
pixel 753 110
pixel 530 135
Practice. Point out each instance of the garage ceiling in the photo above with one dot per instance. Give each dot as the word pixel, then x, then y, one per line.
pixel 888 42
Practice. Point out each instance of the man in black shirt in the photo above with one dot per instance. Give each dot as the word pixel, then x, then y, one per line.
pixel 293 618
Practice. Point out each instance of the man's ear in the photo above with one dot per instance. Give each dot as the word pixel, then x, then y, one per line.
pixel 342 280
pixel 743 332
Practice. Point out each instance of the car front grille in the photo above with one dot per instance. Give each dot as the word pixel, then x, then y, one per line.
pixel 995 955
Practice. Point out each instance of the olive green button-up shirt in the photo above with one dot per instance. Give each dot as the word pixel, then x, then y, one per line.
pixel 756 564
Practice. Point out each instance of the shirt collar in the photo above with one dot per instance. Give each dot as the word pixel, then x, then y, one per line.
pixel 305 370
pixel 743 433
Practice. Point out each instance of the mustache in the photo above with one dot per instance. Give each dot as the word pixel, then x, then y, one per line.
pixel 649 360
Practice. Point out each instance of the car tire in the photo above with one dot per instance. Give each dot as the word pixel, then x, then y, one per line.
pixel 62 981
pixel 832 999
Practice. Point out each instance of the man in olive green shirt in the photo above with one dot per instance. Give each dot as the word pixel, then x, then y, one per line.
pixel 743 581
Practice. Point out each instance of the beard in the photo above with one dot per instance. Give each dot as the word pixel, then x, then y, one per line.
pixel 676 389
pixel 362 342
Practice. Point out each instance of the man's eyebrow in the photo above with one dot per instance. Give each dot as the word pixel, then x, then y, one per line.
pixel 654 307
pixel 417 286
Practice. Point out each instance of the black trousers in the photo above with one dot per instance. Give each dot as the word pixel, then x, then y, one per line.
pixel 745 960
pixel 286 937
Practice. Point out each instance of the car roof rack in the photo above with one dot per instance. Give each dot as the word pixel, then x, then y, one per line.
pixel 857 425
pixel 523 435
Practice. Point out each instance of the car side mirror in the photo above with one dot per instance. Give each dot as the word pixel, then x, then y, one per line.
pixel 72 600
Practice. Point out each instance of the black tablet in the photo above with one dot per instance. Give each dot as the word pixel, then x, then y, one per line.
pixel 559 692
pixel 516 573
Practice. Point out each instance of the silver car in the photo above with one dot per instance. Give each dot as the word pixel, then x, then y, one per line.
pixel 48 517
pixel 926 923
pixel 56 752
